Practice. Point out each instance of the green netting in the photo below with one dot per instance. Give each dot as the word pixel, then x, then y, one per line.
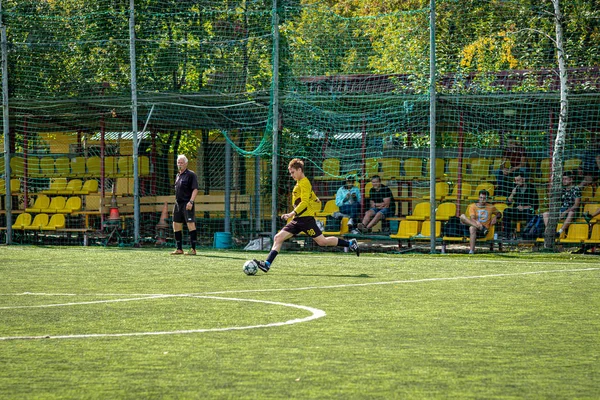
pixel 353 99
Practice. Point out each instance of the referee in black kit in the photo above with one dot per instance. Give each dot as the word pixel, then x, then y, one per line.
pixel 186 189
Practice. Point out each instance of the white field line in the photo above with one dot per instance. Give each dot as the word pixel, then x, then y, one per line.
pixel 340 286
pixel 315 313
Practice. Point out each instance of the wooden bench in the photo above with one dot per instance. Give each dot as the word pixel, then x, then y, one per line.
pixel 213 204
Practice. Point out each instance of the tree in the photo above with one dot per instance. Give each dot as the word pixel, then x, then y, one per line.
pixel 559 144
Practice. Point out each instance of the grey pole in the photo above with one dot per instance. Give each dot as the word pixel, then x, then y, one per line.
pixel 257 187
pixel 275 23
pixel 6 130
pixel 228 161
pixel 432 117
pixel 134 128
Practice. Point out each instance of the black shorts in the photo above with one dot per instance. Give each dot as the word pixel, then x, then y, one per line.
pixel 181 215
pixel 307 225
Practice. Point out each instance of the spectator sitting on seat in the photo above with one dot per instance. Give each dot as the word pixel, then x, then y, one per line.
pixel 570 199
pixel 481 216
pixel 524 202
pixel 588 217
pixel 380 198
pixel 347 199
pixel 590 163
pixel 513 161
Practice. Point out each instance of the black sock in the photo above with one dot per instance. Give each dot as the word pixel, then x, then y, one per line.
pixel 193 237
pixel 343 243
pixel 179 240
pixel 271 257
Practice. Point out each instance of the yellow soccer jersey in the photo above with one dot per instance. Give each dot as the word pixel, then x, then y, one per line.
pixel 305 201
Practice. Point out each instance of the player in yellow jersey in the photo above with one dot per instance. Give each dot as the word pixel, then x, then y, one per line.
pixel 306 205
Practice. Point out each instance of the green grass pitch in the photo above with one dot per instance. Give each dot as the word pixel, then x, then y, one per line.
pixel 129 323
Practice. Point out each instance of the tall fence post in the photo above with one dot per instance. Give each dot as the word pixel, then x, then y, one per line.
pixel 6 130
pixel 134 127
pixel 432 126
pixel 275 116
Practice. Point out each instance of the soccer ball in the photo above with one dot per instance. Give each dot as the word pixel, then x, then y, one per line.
pixel 250 267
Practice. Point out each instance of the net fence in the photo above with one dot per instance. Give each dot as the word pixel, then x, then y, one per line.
pixel 352 98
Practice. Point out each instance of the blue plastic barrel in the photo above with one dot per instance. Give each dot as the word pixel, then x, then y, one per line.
pixel 222 240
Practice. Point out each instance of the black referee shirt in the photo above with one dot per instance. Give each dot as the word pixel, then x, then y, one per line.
pixel 185 183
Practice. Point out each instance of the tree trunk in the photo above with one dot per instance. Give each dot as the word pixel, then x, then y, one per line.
pixel 559 145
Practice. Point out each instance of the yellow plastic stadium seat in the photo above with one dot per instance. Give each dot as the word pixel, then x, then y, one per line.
pixel 328 209
pixel 93 167
pixel 501 206
pixel 595 235
pixel 441 191
pixel 41 202
pixel 390 168
pixel 72 204
pixel 372 167
pixel 466 191
pixel 482 186
pixel 343 227
pixel 545 170
pixel 572 164
pixel 89 186
pixel 110 166
pixel 453 169
pixel 406 229
pixel 143 165
pixel 440 167
pixel 22 221
pixel 78 167
pixel 57 221
pixel 480 169
pixel 421 212
pixel 577 233
pixel 37 223
pixel 596 197
pixel 15 186
pixel 558 226
pixel 489 236
pixel 56 185
pixel 592 208
pixel 331 170
pixel 587 193
pixel 73 185
pixel 445 211
pixel 62 166
pixel 426 230
pixel 125 165
pixel 413 168
pixel 56 203
pixel 33 167
pixel 17 166
pixel 47 167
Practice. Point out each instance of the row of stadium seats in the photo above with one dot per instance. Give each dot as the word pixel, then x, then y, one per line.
pixel 58 204
pixel 41 222
pixel 82 167
pixel 73 186
pixel 411 229
pixel 473 169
